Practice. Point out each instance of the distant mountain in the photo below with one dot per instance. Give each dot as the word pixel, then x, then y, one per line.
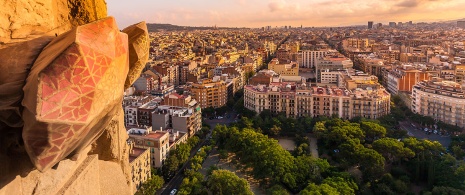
pixel 154 27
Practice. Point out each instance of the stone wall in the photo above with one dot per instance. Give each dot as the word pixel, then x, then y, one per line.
pixel 26 27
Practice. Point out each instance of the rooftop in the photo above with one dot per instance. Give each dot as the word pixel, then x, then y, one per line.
pixel 136 152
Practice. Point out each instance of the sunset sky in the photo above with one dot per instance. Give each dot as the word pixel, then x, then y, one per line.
pixel 258 13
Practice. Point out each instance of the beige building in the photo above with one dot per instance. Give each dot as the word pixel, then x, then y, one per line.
pixel 158 142
pixel 331 63
pixel 288 69
pixel 441 100
pixel 301 100
pixel 139 160
pixel 209 93
pixel 184 119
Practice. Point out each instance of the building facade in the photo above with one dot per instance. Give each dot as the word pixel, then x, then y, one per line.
pixel 139 160
pixel 310 57
pixel 209 93
pixel 331 63
pixel 302 100
pixel 288 69
pixel 442 100
pixel 402 80
pixel 157 142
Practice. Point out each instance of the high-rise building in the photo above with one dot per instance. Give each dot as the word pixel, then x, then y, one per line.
pixel 370 24
pixel 392 24
pixel 461 24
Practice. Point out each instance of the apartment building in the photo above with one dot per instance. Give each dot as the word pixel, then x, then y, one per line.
pixel 286 69
pixel 441 100
pixel 264 77
pixel 209 93
pixel 403 79
pixel 137 109
pixel 309 57
pixel 145 83
pixel 183 119
pixel 361 44
pixel 331 63
pixel 139 161
pixel 171 72
pixel 158 142
pixel 297 100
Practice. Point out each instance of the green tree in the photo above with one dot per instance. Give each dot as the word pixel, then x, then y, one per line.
pixel 372 130
pixel 342 185
pixel 372 165
pixel 192 185
pixel 323 189
pixel 170 166
pixel 151 186
pixel 182 152
pixel 392 149
pixel 458 152
pixel 442 190
pixel 320 130
pixel 275 130
pixel 225 182
pixel 277 190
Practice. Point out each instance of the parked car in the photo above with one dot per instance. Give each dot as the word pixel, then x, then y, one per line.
pixel 173 192
pixel 220 117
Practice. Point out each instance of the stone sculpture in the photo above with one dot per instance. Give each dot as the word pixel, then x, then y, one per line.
pixel 75 82
pixel 73 78
pixel 138 51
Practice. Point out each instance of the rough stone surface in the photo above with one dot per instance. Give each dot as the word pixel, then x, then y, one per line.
pixel 111 174
pixel 23 19
pixel 73 91
pixel 14 72
pixel 139 44
pixel 112 146
pixel 86 175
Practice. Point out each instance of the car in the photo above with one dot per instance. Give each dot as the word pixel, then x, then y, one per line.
pixel 435 132
pixel 220 117
pixel 173 192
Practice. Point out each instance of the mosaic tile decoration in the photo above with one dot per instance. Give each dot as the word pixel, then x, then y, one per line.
pixel 69 95
pixel 139 44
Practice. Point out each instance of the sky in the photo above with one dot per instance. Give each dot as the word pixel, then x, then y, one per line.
pixel 259 13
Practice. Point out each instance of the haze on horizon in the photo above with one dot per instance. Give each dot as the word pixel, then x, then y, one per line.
pixel 259 13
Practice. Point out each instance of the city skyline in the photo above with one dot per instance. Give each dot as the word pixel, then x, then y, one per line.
pixel 258 13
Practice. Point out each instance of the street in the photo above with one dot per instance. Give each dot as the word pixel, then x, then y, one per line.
pixel 420 134
pixel 176 181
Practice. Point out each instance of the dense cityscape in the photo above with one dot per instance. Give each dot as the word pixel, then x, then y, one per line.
pixel 399 79
pixel 234 97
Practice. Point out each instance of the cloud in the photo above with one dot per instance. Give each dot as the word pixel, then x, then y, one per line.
pixel 256 13
pixel 277 5
pixel 408 3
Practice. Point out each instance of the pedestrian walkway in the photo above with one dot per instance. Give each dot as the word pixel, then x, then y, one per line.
pixel 213 159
